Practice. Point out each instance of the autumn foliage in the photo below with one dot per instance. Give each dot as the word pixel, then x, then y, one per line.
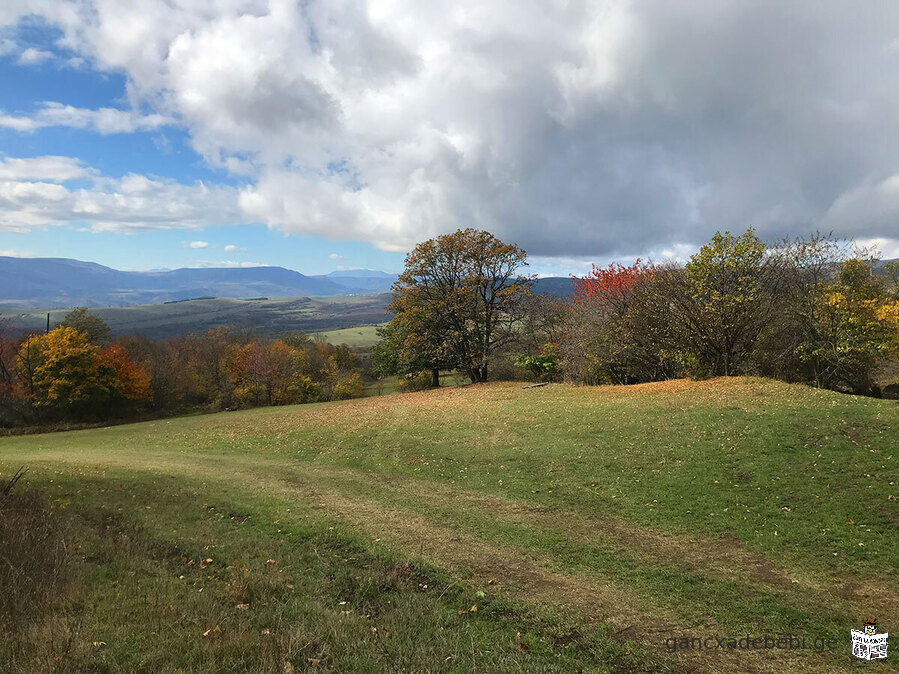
pixel 610 285
pixel 63 376
pixel 809 310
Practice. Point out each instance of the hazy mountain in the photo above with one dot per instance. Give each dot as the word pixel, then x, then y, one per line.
pixel 47 282
pixel 60 282
pixel 361 280
pixel 558 286
pixel 360 273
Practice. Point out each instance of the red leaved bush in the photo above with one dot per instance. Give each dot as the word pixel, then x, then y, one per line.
pixel 610 284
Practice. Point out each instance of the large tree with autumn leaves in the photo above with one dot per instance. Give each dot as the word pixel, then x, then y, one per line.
pixel 458 301
pixel 63 375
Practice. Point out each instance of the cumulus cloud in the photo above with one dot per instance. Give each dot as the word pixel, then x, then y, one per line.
pixel 39 192
pixel 33 56
pixel 198 244
pixel 231 248
pixel 335 256
pixel 50 169
pixel 588 128
pixel 102 120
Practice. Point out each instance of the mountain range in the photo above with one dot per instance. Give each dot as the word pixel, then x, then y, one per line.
pixel 60 282
pixel 52 282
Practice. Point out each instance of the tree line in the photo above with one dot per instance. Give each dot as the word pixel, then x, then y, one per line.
pixel 78 373
pixel 813 309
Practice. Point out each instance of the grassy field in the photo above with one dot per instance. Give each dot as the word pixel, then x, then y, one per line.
pixel 359 337
pixel 473 528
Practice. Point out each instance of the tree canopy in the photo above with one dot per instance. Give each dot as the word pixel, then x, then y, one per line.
pixel 457 302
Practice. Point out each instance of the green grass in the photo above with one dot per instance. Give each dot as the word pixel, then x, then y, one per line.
pixel 595 523
pixel 361 337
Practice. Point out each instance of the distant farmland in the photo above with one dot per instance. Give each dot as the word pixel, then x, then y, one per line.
pixel 265 316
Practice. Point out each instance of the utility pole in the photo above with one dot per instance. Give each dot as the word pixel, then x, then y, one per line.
pixel 48 321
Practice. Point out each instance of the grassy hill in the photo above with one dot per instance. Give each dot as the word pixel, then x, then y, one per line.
pixel 465 529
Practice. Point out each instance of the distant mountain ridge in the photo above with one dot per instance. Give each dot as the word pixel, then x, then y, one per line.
pixel 30 283
pixel 50 282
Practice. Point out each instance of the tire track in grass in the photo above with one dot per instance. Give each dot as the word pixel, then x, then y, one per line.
pixel 522 574
pixel 721 559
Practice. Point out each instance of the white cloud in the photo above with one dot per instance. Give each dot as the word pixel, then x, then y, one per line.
pixel 884 248
pixel 198 244
pixel 47 169
pixel 103 120
pixel 594 128
pixel 231 248
pixel 34 192
pixel 16 253
pixel 33 56
pixel 335 256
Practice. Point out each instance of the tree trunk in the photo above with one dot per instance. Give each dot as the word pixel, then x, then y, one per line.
pixel 435 377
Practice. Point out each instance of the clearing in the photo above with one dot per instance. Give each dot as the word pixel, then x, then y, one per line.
pixel 470 528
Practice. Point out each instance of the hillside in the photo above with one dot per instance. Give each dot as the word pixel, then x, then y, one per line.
pixel 471 528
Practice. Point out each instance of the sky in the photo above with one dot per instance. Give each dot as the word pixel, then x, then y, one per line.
pixel 326 134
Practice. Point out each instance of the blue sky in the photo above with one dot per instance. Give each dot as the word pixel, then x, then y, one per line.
pixel 159 152
pixel 316 135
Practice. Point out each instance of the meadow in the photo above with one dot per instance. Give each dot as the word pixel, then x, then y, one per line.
pixel 470 528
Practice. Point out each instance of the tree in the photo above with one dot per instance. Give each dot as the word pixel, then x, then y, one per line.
pixel 857 325
pixel 411 344
pixel 132 382
pixel 795 270
pixel 600 343
pixel 208 357
pixel 66 374
pixel 12 405
pixel 543 322
pixel 721 308
pixel 93 326
pixel 459 297
pixel 263 371
pixel 545 365
pixel 891 271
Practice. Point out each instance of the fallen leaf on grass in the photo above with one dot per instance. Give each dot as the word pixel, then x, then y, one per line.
pixel 523 646
pixel 242 607
pixel 206 562
pixel 214 632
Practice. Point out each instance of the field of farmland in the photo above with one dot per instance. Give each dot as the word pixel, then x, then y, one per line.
pixel 264 316
pixel 471 528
